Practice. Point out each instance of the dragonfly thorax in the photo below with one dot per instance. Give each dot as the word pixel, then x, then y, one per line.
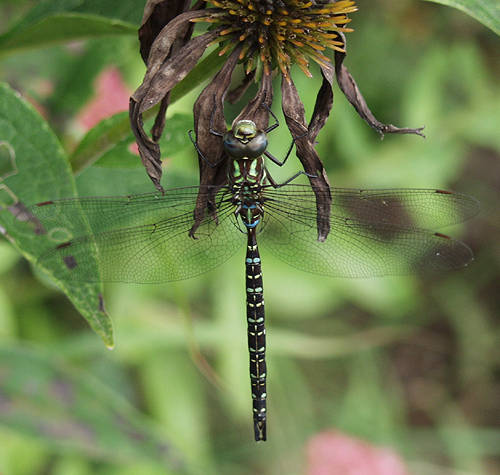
pixel 245 140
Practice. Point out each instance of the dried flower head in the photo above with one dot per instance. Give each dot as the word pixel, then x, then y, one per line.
pixel 280 32
pixel 265 37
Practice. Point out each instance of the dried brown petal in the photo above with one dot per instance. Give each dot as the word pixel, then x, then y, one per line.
pixel 161 53
pixel 258 108
pixel 161 78
pixel 209 114
pixel 351 91
pixel 148 149
pixel 236 94
pixel 157 14
pixel 159 125
pixel 294 113
pixel 324 102
pixel 163 73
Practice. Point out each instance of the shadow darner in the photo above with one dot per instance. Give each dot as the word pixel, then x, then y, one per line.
pixel 145 238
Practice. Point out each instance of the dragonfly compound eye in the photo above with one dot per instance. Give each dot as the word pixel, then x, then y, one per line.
pixel 245 140
pixel 257 146
pixel 234 147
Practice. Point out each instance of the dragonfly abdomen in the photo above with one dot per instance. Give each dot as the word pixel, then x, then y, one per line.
pixel 256 334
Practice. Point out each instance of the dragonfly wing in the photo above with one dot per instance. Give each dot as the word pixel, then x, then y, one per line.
pixel 146 241
pixel 419 208
pixel 358 248
pixel 81 216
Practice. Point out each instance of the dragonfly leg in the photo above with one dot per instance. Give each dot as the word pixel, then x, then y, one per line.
pixel 289 180
pixel 236 215
pixel 200 153
pixel 271 180
pixel 274 126
pixel 282 162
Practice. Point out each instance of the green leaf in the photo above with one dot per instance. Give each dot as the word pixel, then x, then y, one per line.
pixel 99 140
pixel 485 11
pixel 128 11
pixel 45 397
pixel 64 20
pixel 77 74
pixel 105 181
pixel 105 135
pixel 174 139
pixel 35 169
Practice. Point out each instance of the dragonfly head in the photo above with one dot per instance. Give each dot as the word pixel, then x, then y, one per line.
pixel 244 130
pixel 245 140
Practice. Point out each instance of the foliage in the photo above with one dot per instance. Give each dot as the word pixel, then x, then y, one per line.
pixel 403 362
pixel 40 172
pixel 486 11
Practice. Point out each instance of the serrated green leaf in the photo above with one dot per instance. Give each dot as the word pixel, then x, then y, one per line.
pixel 485 11
pixel 45 397
pixel 39 172
pixel 51 22
pixel 105 135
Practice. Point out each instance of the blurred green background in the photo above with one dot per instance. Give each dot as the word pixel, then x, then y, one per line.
pixel 409 363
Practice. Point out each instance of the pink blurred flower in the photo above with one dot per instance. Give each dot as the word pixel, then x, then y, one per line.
pixel 112 96
pixel 334 453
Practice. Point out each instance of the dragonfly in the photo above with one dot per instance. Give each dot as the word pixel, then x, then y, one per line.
pixel 149 238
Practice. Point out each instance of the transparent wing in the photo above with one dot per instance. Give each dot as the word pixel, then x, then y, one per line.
pixel 140 238
pixel 373 232
pixel 413 207
pixel 144 238
pixel 76 216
